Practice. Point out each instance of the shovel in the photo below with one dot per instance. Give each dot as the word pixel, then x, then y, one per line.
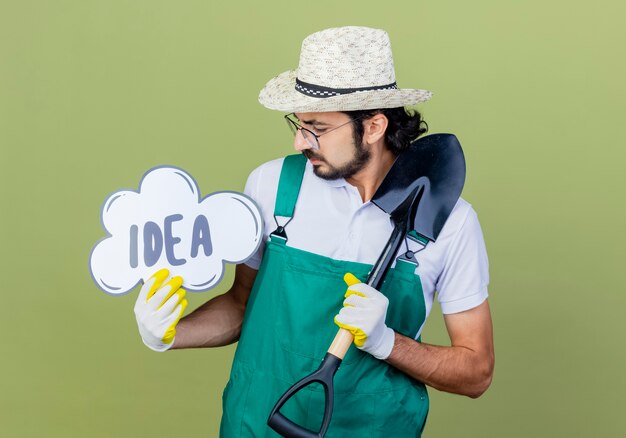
pixel 418 192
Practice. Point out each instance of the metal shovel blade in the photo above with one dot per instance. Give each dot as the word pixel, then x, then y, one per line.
pixel 435 162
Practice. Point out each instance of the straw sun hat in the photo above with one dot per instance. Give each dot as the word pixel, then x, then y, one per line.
pixel 341 69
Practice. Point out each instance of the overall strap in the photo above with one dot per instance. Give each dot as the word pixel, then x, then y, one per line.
pixel 289 184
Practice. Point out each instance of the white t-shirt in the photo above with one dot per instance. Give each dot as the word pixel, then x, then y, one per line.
pixel 330 219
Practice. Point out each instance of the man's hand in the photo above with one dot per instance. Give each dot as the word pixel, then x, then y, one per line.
pixel 363 314
pixel 158 309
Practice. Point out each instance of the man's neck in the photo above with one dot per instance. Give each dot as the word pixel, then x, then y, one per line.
pixel 368 179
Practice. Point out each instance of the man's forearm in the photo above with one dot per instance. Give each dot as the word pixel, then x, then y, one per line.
pixel 455 369
pixel 215 323
pixel 218 321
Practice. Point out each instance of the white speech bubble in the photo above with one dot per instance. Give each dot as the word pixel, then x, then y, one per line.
pixel 165 224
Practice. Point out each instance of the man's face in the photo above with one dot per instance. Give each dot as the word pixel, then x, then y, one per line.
pixel 338 155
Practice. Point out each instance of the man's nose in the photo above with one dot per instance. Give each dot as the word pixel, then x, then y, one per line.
pixel 299 143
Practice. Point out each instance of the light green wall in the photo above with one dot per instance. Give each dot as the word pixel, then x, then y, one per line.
pixel 93 93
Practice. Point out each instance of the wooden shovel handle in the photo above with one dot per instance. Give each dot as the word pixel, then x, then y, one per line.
pixel 341 343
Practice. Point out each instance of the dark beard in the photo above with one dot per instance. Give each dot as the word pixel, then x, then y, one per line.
pixel 361 158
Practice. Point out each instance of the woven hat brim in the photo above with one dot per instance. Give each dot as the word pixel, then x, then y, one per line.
pixel 280 94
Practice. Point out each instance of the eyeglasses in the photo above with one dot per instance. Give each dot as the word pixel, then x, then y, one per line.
pixel 309 136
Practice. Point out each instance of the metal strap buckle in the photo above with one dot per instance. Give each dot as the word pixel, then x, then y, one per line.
pixel 280 230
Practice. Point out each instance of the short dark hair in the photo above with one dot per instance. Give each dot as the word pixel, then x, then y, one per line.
pixel 404 126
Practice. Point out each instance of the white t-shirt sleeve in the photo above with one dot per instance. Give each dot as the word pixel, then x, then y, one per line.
pixel 261 187
pixel 252 190
pixel 463 282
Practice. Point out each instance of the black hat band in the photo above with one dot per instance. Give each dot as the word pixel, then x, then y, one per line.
pixel 313 90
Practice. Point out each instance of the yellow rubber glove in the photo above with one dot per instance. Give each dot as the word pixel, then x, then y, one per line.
pixel 363 314
pixel 158 309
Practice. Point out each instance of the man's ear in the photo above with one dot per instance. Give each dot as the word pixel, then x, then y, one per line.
pixel 374 128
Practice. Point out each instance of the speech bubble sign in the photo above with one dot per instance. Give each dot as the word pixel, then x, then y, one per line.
pixel 166 224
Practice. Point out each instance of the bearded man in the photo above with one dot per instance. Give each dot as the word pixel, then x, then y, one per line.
pixel 349 122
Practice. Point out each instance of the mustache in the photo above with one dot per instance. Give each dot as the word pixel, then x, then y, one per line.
pixel 311 155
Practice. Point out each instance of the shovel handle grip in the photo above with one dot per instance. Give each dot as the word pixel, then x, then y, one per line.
pixel 341 343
